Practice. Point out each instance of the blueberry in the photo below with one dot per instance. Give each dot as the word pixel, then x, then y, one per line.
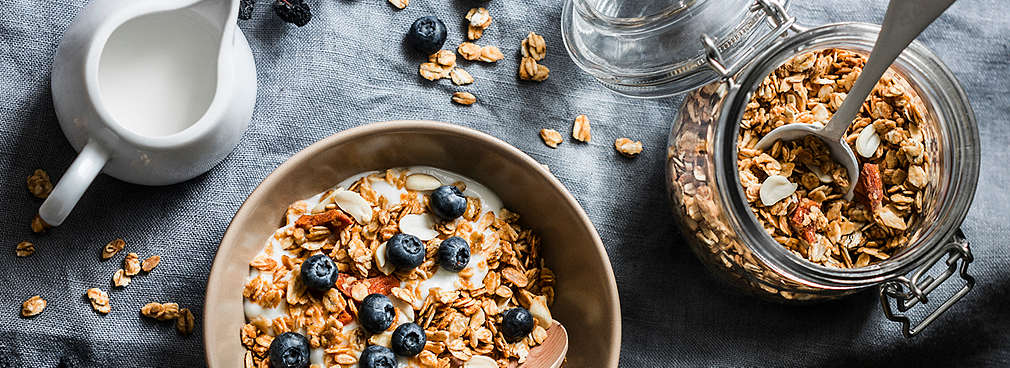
pixel 516 324
pixel 408 339
pixel 447 202
pixel 289 350
pixel 377 356
pixel 296 12
pixel 427 34
pixel 376 313
pixel 319 272
pixel 454 254
pixel 405 251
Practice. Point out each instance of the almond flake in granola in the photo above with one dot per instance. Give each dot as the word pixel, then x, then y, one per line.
pixel 581 130
pixel 24 249
pixel 533 46
pixel 131 264
pixel 399 4
pixel 111 248
pixel 39 184
pixel 460 77
pixel 551 137
pixel 530 70
pixel 99 300
pixel 463 98
pixel 120 279
pixel 776 188
pixel 33 306
pixel 422 182
pixel 628 147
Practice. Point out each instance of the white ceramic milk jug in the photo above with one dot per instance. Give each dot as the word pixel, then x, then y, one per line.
pixel 151 92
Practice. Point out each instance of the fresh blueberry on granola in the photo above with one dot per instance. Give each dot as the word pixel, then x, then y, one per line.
pixel 319 273
pixel 516 324
pixel 405 251
pixel 454 254
pixel 289 350
pixel 447 202
pixel 427 34
pixel 377 356
pixel 376 313
pixel 408 340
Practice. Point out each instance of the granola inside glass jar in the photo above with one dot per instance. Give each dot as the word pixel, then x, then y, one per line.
pixel 711 140
pixel 796 190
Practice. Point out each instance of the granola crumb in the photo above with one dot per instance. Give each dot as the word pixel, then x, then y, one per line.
pixel 150 263
pixel 460 77
pixel 534 46
pixel 99 300
pixel 160 311
pixel 131 264
pixel 33 306
pixel 464 98
pixel 39 225
pixel 111 248
pixel 551 137
pixel 184 322
pixel 628 147
pixel 580 129
pixel 479 19
pixel 24 249
pixel 399 4
pixel 39 184
pixel 120 279
pixel 530 70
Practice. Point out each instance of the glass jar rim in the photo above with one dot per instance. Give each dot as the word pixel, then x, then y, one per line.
pixel 963 171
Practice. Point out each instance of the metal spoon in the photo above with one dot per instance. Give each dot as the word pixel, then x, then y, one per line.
pixel 904 20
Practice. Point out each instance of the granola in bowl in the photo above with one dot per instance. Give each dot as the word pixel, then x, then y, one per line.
pixel 796 190
pixel 354 225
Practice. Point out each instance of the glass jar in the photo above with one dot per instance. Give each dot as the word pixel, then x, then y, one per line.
pixel 716 219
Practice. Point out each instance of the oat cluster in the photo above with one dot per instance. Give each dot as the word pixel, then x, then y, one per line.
pixel 808 214
pixel 33 306
pixel 183 317
pixel 460 325
pixel 39 184
pixel 479 19
pixel 533 49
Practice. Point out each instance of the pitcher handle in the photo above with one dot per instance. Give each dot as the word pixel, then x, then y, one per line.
pixel 75 181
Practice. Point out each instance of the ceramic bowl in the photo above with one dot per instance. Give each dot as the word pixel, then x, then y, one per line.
pixel 586 302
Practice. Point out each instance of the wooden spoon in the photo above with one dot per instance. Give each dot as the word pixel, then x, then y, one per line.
pixel 552 352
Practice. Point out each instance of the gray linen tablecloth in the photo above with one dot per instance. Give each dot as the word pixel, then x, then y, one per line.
pixel 348 67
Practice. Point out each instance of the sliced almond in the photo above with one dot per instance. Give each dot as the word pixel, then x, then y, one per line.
pixel 422 182
pixel 867 141
pixel 776 188
pixel 480 361
pixel 380 260
pixel 421 226
pixel 354 205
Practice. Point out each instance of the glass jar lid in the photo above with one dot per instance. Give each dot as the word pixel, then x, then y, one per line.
pixel 655 48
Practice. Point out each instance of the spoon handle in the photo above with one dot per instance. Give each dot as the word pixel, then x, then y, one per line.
pixel 904 20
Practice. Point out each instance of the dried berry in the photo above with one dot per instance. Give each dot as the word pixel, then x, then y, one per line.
pixel 245 9
pixel 296 12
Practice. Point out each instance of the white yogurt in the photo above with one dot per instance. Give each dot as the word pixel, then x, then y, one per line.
pixel 421 226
